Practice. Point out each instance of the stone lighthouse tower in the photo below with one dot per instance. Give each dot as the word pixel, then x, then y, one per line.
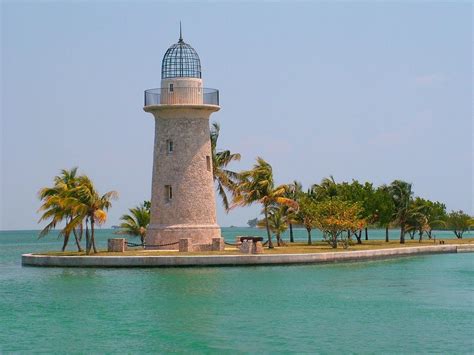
pixel 182 200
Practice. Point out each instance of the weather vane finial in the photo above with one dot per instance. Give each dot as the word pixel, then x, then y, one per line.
pixel 180 33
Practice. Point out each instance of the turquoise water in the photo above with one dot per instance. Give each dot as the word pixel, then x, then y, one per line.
pixel 407 305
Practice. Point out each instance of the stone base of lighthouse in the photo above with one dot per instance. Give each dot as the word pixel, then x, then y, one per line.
pixel 167 237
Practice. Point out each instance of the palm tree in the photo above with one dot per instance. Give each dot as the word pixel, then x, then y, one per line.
pixel 54 205
pixel 87 205
pixel 401 193
pixel 276 221
pixel 434 212
pixel 293 192
pixel 136 223
pixel 417 222
pixel 257 185
pixel 328 188
pixel 225 179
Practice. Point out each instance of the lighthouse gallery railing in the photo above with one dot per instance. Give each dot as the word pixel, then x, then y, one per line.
pixel 182 96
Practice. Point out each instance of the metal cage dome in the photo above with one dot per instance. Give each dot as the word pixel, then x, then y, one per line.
pixel 181 61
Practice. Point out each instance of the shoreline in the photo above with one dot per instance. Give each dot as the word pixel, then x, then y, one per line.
pixel 237 260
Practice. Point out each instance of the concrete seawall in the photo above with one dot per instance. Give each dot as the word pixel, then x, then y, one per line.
pixel 234 260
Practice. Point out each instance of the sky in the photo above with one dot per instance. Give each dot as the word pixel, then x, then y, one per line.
pixel 369 91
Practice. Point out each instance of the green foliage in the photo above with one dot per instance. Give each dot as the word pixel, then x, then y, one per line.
pixel 402 194
pixel 147 205
pixel 136 222
pixel 257 185
pixel 225 179
pixel 293 192
pixel 252 223
pixel 88 207
pixel 385 206
pixel 54 204
pixel 75 200
pixel 459 222
pixel 306 214
pixel 334 216
pixel 328 188
pixel 277 222
pixel 428 215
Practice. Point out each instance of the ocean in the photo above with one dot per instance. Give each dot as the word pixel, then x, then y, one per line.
pixel 421 304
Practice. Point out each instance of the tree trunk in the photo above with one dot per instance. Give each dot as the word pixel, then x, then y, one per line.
pixel 88 239
pixel 292 240
pixel 358 237
pixel 420 236
pixel 309 236
pixel 66 240
pixel 66 235
pixel 366 234
pixel 92 236
pixel 269 235
pixel 334 241
pixel 81 230
pixel 402 234
pixel 429 234
pixel 77 240
pixel 386 234
pixel 279 243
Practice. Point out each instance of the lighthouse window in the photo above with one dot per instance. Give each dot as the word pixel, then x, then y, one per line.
pixel 168 192
pixel 169 146
pixel 208 163
pixel 171 87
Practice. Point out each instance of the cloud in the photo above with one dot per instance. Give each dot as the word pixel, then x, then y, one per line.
pixel 434 79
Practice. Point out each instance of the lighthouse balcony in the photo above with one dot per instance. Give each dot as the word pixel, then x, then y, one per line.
pixel 182 96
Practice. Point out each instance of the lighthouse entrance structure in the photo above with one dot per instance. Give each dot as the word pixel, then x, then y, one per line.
pixel 182 199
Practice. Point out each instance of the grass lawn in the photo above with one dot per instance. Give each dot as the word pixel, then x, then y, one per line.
pixel 293 248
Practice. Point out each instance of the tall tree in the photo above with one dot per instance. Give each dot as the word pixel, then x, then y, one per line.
pixel 355 192
pixel 334 216
pixel 89 206
pixel 306 215
pixel 328 188
pixel 401 193
pixel 54 208
pixel 417 222
pixel 136 222
pixel 434 213
pixel 459 222
pixel 293 192
pixel 385 208
pixel 224 178
pixel 257 185
pixel 276 221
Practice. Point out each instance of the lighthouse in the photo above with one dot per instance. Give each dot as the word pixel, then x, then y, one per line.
pixel 182 199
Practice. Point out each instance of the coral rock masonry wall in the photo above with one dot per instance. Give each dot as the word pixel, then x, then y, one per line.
pixel 191 212
pixel 117 245
pixel 215 260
